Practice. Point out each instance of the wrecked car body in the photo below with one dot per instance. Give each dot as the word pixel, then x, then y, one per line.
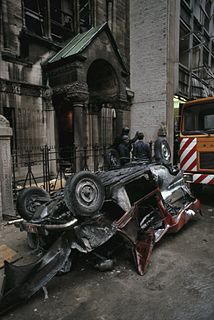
pixel 139 203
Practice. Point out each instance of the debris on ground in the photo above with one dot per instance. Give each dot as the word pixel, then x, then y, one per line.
pixel 8 254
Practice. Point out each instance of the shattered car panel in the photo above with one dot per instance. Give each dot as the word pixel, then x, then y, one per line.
pixel 90 235
pixel 142 203
pixel 21 282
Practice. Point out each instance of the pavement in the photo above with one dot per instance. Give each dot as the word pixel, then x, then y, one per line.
pixel 179 283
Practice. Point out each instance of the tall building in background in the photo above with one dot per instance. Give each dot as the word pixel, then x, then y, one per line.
pixel 171 60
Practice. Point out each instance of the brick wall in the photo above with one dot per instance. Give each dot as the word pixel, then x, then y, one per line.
pixel 148 39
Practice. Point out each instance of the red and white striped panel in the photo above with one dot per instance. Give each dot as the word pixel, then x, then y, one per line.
pixel 188 154
pixel 203 178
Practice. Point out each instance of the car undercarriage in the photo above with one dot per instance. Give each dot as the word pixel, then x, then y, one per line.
pixel 137 204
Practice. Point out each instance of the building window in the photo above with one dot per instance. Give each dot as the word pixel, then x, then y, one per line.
pixel 85 15
pixel 35 16
pixel 57 19
pixel 205 57
pixel 207 12
pixel 196 55
pixel 185 13
pixel 184 46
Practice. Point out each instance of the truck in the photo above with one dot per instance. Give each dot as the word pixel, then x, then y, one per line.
pixel 197 142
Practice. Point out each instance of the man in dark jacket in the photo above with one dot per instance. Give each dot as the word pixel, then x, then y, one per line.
pixel 124 150
pixel 119 139
pixel 141 150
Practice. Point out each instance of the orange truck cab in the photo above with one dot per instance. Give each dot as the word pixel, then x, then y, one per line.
pixel 197 141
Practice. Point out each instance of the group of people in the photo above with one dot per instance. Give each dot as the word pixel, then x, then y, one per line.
pixel 132 149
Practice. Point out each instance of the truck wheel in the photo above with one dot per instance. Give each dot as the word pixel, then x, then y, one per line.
pixel 84 194
pixel 29 200
pixel 162 151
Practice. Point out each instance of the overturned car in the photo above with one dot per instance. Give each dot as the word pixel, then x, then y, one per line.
pixel 139 203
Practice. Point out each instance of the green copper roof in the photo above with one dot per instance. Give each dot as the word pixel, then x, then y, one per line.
pixel 77 44
pixel 81 41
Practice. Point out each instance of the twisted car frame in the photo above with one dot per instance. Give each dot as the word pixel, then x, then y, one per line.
pixel 139 202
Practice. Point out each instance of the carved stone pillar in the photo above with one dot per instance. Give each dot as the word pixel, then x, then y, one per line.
pixel 78 124
pixel 95 123
pixel 50 123
pixel 75 95
pixel 79 133
pixel 50 114
pixel 6 192
pixel 119 121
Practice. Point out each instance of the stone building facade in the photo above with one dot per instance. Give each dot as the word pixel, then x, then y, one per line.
pixel 172 56
pixel 80 99
pixel 67 66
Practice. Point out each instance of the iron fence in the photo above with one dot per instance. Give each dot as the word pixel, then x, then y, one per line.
pixel 49 168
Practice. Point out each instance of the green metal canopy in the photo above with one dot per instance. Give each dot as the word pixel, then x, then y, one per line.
pixel 81 41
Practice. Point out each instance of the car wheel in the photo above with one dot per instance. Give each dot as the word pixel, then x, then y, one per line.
pixel 162 151
pixel 112 159
pixel 84 194
pixel 29 200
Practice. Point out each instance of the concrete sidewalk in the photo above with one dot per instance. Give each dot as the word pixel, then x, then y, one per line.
pixel 16 240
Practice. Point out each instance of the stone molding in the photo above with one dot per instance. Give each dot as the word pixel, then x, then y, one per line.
pixel 20 88
pixel 6 192
pixel 5 129
pixel 76 91
pixel 4 122
pixel 47 98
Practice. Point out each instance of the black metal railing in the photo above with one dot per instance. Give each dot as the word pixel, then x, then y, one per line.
pixel 49 168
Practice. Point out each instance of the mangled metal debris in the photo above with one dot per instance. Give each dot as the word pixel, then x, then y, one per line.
pixel 21 282
pixel 138 203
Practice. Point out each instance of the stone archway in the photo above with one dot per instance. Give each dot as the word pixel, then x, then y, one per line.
pixel 88 78
pixel 102 81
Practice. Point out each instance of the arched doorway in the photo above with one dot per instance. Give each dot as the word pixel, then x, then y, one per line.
pixel 103 96
pixel 65 126
pixel 92 78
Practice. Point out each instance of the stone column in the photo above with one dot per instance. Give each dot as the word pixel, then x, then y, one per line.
pixel 79 131
pixel 50 130
pixel 76 95
pixel 6 191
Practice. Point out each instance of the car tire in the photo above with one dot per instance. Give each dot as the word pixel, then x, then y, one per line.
pixel 112 159
pixel 162 151
pixel 28 201
pixel 84 194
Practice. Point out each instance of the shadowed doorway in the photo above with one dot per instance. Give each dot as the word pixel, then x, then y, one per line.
pixel 65 124
pixel 103 96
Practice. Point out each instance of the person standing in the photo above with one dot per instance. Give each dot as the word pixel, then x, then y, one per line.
pixel 125 132
pixel 124 150
pixel 141 150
